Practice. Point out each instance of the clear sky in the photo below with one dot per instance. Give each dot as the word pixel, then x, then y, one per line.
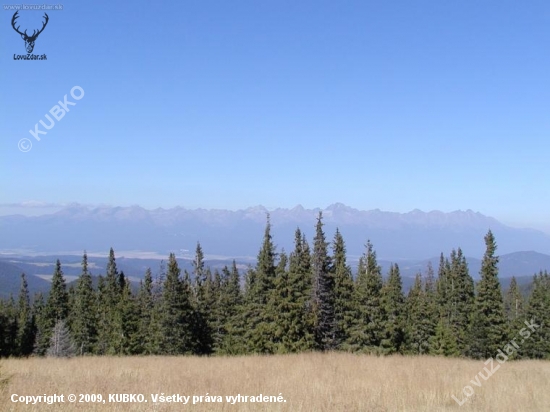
pixel 377 104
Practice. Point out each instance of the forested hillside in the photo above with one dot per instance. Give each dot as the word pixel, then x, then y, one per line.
pixel 304 300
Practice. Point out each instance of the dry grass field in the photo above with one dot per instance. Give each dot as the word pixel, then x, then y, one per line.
pixel 308 382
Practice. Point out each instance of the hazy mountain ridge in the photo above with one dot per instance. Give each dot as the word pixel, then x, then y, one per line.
pixel 335 212
pixel 412 235
pixel 10 281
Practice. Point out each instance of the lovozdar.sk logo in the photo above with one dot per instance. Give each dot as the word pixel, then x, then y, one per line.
pixel 29 40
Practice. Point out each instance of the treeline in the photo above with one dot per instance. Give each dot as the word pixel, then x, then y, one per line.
pixel 302 301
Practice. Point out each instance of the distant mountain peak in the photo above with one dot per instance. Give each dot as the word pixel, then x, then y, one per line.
pixel 257 209
pixel 338 205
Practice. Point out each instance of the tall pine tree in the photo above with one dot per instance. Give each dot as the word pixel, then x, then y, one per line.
pixel 489 326
pixel 230 309
pixel 177 313
pixel 294 318
pixel 325 324
pixel 368 324
pixel 203 303
pixel 83 312
pixel 393 312
pixel 537 345
pixel 147 329
pixel 259 334
pixel 126 322
pixel 108 295
pixel 444 341
pixel 461 300
pixel 344 312
pixel 55 310
pixel 26 322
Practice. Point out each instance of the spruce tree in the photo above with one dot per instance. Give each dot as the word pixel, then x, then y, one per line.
pixel 177 315
pixel 445 341
pixel 126 322
pixel 71 294
pixel 38 311
pixel 26 323
pixel 112 278
pixel 535 341
pixel 4 348
pixel 55 310
pixel 117 340
pixel 489 326
pixel 432 311
pixel 231 325
pixel 84 312
pixel 108 296
pixel 57 305
pixel 10 329
pixel 146 306
pixel 419 327
pixel 293 318
pixel 442 289
pixel 461 300
pixel 325 326
pixel 203 302
pixel 514 309
pixel 155 333
pixel 277 301
pixel 366 334
pixel 393 312
pixel 259 332
pixel 514 303
pixel 216 319
pixel 361 268
pixel 344 310
pixel 103 318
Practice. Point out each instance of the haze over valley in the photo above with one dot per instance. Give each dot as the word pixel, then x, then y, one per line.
pixel 143 238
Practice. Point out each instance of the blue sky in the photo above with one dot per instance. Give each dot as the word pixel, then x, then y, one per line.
pixel 392 105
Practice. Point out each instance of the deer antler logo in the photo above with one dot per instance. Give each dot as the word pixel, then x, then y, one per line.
pixel 29 40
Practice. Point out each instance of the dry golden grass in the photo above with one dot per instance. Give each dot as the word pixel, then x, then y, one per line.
pixel 309 382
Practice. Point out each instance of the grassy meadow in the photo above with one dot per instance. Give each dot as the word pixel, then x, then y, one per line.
pixel 308 382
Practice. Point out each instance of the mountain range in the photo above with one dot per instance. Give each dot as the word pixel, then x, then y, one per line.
pixel 238 234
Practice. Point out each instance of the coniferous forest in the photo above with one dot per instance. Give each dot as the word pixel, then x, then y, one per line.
pixel 306 300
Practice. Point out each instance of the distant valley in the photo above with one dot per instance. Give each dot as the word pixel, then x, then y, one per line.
pixel 39 269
